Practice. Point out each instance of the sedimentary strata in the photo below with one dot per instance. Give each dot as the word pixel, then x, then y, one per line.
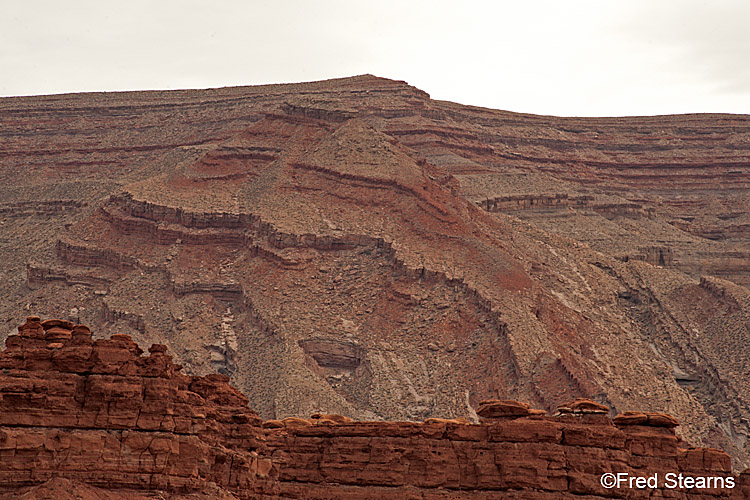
pixel 383 255
pixel 99 419
pixel 101 413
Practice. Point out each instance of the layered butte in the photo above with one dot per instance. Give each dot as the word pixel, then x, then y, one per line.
pixel 354 247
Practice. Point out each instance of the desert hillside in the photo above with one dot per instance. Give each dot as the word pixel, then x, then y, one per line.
pixel 354 247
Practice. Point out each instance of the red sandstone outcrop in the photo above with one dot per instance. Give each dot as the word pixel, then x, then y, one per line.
pixel 83 418
pixel 653 419
pixel 582 405
pixel 60 488
pixel 509 455
pixel 492 409
pixel 99 412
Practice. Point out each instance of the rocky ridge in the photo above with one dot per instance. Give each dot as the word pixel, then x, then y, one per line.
pixel 97 419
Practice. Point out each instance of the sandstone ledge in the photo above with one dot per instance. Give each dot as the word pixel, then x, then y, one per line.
pixel 77 414
pixel 531 456
pixel 98 412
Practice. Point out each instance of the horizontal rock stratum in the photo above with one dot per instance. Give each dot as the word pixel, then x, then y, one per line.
pixel 99 419
pixel 99 412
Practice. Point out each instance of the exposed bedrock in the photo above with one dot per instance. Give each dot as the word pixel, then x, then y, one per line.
pixel 516 453
pixel 353 247
pixel 98 417
pixel 332 354
pixel 99 412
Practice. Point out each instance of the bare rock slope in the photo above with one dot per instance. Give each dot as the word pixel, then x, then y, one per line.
pixel 354 247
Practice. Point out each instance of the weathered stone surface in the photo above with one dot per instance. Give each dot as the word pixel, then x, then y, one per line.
pixel 547 458
pixel 97 419
pixel 97 411
pixel 494 408
pixel 582 405
pixel 657 419
pixel 631 418
pixel 60 488
pixel 339 419
pixel 653 419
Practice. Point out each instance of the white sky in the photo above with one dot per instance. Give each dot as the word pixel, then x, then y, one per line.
pixel 560 57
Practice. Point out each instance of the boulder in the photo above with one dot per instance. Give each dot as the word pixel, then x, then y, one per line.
pixel 495 408
pixel 582 405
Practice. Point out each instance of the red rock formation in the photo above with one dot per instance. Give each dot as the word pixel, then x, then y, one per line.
pixel 92 419
pixel 354 247
pixel 518 453
pixel 99 412
pixel 61 488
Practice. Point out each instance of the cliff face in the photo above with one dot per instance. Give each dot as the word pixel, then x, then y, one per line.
pixel 532 457
pixel 98 412
pixel 355 247
pixel 98 419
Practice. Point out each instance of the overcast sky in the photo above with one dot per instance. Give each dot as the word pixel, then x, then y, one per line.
pixel 560 57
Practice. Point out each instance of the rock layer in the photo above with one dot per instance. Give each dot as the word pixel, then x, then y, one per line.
pixel 98 412
pixel 97 419
pixel 532 457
